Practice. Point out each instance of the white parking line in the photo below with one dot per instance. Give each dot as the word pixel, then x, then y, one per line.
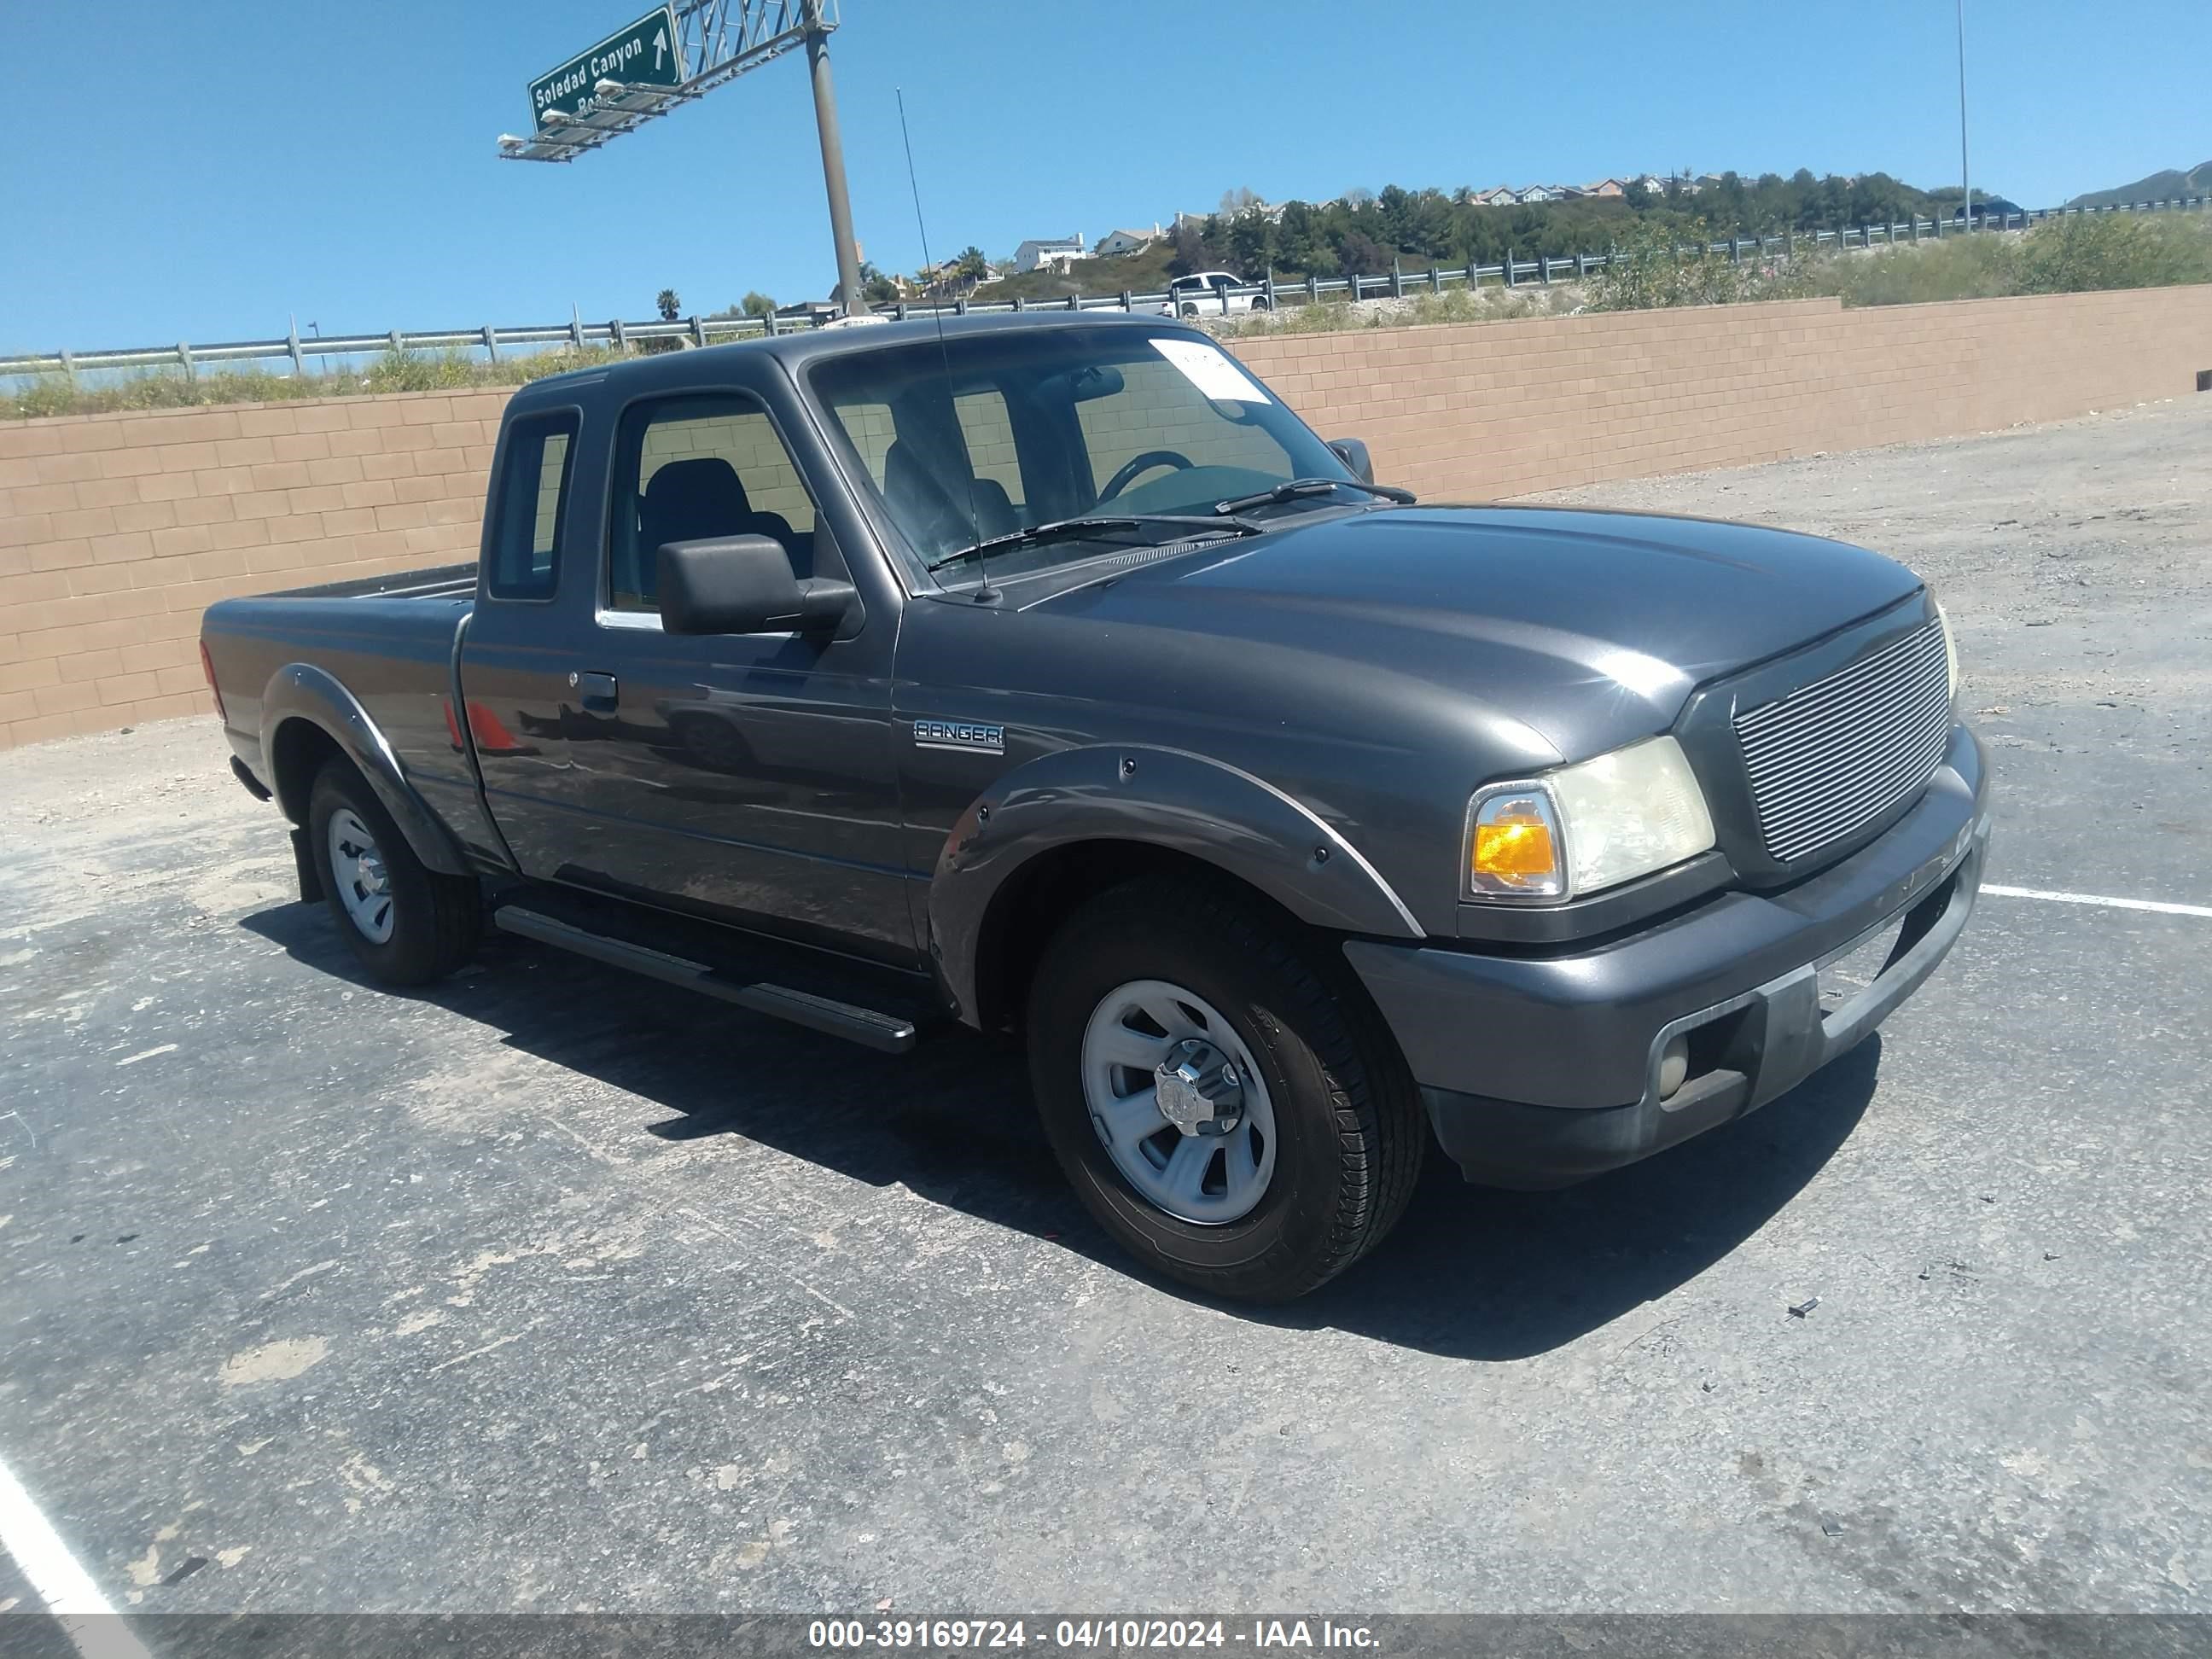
pixel 2159 905
pixel 69 1593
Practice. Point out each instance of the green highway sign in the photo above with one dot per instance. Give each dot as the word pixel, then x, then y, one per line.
pixel 647 53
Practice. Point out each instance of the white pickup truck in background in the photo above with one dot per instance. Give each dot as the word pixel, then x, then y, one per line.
pixel 1211 293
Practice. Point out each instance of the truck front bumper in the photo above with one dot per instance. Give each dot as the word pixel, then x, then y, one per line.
pixel 1541 1071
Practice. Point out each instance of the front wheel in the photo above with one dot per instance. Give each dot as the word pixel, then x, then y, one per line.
pixel 407 923
pixel 1218 1091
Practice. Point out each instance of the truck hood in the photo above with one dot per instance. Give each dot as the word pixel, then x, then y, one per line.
pixel 1586 627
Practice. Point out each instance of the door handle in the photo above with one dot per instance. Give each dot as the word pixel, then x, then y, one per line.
pixel 600 692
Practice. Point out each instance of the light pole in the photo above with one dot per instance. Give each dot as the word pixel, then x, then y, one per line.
pixel 1966 185
pixel 832 159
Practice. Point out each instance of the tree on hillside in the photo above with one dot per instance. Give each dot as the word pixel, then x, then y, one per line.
pixel 1252 242
pixel 969 264
pixel 757 304
pixel 1878 199
pixel 1361 255
pixel 876 288
pixel 1431 230
pixel 1189 251
pixel 1241 200
pixel 668 305
pixel 1728 202
pixel 1394 217
pixel 1296 242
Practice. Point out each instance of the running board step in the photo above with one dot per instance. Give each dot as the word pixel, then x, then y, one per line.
pixel 890 1034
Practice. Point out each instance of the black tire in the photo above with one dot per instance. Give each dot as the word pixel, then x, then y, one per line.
pixel 435 919
pixel 1350 1131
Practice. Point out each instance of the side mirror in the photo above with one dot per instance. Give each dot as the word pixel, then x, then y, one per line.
pixel 745 585
pixel 1352 452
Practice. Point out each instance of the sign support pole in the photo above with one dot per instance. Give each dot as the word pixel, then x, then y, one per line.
pixel 833 161
pixel 1965 177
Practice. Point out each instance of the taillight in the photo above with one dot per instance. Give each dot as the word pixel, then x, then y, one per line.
pixel 207 667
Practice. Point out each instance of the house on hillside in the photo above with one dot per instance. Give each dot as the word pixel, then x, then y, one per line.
pixel 1125 241
pixel 1607 187
pixel 1499 196
pixel 1542 193
pixel 1652 182
pixel 1054 251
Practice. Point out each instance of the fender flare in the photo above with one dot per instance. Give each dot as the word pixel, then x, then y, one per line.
pixel 300 690
pixel 1165 798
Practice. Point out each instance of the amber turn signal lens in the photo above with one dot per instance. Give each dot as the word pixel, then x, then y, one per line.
pixel 1517 847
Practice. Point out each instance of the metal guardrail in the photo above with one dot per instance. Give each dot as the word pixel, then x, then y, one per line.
pixel 618 336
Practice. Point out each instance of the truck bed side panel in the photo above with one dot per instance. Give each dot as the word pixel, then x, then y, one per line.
pixel 393 652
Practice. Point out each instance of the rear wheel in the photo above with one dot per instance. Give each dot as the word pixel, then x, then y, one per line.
pixel 408 923
pixel 1219 1092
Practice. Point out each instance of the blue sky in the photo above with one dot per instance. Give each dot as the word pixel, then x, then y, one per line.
pixel 202 171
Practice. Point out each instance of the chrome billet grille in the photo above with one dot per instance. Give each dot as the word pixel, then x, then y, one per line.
pixel 1837 753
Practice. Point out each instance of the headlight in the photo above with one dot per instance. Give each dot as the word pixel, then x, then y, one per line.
pixel 1585 828
pixel 1950 648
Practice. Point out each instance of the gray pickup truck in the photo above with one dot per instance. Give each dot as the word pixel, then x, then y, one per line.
pixel 1048 676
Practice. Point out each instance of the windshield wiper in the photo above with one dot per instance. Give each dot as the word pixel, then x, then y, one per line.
pixel 1061 529
pixel 1294 488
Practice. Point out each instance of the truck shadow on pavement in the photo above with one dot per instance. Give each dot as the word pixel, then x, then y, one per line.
pixel 1470 1273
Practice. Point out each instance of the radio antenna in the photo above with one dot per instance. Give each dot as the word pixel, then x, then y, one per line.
pixel 984 595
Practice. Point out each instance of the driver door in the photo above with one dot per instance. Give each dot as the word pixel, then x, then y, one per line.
pixel 746 777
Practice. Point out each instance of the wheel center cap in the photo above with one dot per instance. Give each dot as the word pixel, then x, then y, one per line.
pixel 1199 1089
pixel 372 872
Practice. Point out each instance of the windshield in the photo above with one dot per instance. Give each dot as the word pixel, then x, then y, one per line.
pixel 1038 427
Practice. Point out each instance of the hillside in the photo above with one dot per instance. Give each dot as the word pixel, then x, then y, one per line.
pixel 2159 187
pixel 1368 231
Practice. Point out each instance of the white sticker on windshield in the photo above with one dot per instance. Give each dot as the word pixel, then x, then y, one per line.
pixel 1211 370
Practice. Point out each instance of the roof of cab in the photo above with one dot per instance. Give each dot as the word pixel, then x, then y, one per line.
pixel 807 344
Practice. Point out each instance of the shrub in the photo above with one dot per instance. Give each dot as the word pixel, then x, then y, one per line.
pixel 401 370
pixel 1650 272
pixel 2116 250
pixel 1962 268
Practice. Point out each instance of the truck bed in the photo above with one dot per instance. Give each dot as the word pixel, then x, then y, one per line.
pixel 387 640
pixel 444 582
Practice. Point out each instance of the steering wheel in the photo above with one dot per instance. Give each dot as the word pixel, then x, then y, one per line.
pixel 1144 463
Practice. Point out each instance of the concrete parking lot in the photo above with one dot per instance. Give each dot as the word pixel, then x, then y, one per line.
pixel 552 1290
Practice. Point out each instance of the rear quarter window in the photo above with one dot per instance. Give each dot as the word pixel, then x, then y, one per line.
pixel 523 558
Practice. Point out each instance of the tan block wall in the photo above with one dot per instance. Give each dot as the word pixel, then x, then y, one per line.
pixel 1476 411
pixel 116 530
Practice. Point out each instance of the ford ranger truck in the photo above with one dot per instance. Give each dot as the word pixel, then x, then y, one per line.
pixel 1048 676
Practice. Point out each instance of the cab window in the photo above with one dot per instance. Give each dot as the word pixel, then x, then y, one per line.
pixel 696 468
pixel 533 496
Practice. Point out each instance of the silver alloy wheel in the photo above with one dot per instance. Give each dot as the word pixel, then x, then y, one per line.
pixel 364 885
pixel 1155 1057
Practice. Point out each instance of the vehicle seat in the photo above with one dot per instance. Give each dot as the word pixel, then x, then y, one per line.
pixel 994 509
pixel 918 498
pixel 692 500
